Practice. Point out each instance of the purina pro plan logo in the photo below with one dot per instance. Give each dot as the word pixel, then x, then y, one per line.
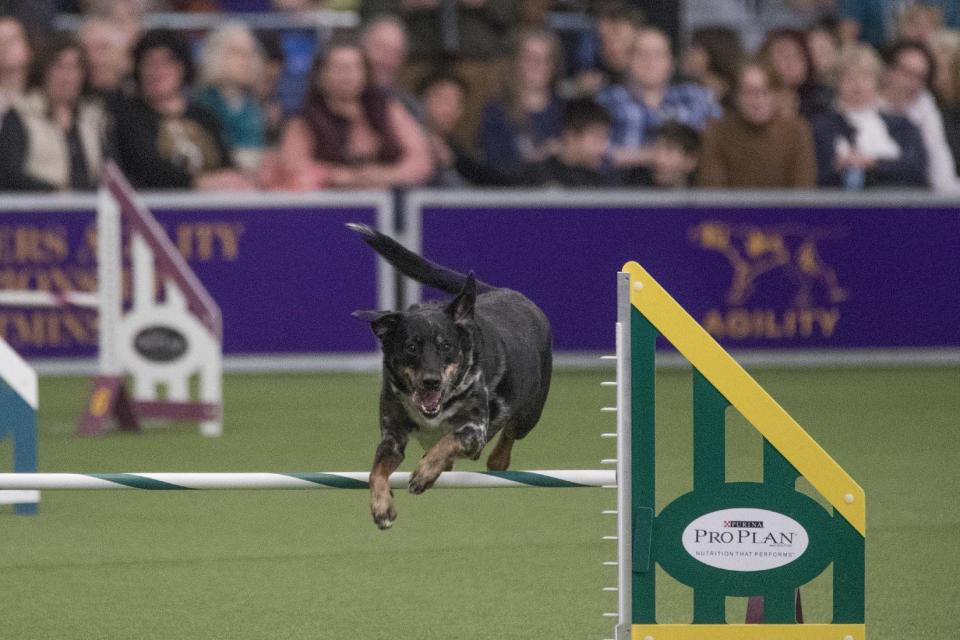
pixel 745 539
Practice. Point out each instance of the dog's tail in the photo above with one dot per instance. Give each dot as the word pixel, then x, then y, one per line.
pixel 413 266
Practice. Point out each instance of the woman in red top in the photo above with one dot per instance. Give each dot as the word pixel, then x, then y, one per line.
pixel 349 134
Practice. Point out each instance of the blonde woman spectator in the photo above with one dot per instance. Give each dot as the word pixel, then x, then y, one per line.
pixel 754 145
pixel 107 56
pixel 15 58
pixel 231 65
pixel 857 145
pixel 349 133
pixel 52 136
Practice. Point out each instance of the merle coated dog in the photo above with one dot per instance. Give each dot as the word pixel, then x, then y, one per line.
pixel 455 374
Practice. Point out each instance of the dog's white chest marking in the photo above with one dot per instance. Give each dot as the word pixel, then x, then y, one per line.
pixel 430 429
pixel 428 437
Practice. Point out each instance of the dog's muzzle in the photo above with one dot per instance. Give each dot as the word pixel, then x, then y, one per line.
pixel 429 401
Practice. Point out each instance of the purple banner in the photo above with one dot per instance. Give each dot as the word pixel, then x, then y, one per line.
pixel 757 277
pixel 286 279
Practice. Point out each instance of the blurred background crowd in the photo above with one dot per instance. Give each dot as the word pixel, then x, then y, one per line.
pixel 298 95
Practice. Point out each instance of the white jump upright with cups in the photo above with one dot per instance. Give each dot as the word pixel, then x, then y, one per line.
pixel 18 421
pixel 170 332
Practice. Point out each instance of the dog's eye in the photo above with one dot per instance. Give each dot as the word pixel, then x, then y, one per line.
pixel 413 347
pixel 445 347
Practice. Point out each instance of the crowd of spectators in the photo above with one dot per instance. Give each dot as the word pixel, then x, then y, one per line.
pixel 454 93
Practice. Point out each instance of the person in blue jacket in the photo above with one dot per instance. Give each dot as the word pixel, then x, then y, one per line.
pixel 524 125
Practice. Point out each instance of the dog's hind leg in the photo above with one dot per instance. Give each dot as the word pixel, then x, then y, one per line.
pixel 499 459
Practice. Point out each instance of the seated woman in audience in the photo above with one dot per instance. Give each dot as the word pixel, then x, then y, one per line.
pixel 349 134
pixel 443 96
pixel 823 43
pixel 524 125
pixel 906 92
pixel 945 46
pixel 648 99
pixel 857 146
pixel 163 140
pixel 785 50
pixel 712 58
pixel 755 145
pixel 231 65
pixel 52 137
pixel 15 59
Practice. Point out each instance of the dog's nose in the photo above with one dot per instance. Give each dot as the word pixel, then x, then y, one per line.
pixel 431 383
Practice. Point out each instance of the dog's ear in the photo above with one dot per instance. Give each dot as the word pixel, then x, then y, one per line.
pixel 461 307
pixel 381 322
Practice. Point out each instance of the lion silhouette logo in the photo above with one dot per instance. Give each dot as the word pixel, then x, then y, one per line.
pixel 756 252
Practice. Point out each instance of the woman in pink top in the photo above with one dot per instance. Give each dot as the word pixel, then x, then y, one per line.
pixel 349 134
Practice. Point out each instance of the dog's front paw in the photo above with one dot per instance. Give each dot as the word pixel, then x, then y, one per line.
pixel 384 513
pixel 424 477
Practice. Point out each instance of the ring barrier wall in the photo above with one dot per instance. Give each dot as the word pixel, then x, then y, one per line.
pixel 282 268
pixel 795 278
pixel 756 539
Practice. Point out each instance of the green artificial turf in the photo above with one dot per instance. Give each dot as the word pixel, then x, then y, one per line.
pixel 458 564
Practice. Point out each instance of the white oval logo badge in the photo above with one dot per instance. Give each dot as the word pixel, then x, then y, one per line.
pixel 745 539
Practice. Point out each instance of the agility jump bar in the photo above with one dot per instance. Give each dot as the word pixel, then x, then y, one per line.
pixel 562 479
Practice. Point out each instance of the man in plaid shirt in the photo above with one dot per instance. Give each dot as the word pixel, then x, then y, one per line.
pixel 646 100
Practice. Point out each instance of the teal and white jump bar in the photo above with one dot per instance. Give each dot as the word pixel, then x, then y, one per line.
pixel 562 479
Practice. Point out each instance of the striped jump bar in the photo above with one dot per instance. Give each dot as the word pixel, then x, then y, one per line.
pixel 563 479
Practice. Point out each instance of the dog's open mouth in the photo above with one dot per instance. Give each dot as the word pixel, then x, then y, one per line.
pixel 428 401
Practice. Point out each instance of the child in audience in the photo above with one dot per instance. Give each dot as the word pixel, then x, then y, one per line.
pixel 579 162
pixel 674 154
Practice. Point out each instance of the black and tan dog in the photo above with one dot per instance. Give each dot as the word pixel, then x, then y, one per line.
pixel 454 375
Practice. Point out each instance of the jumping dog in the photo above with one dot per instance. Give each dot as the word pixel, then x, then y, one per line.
pixel 455 374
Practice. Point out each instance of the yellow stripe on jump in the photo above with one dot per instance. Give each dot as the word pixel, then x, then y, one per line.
pixel 749 398
pixel 748 631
